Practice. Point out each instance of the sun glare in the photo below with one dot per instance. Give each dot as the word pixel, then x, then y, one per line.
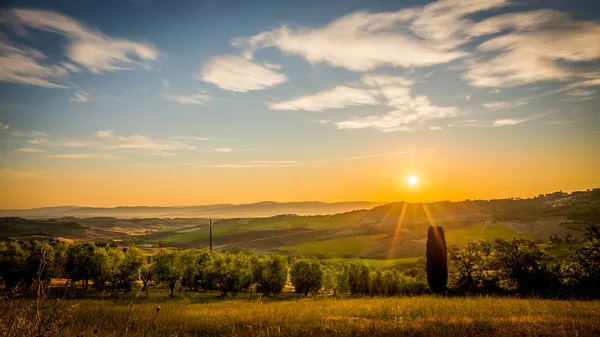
pixel 412 180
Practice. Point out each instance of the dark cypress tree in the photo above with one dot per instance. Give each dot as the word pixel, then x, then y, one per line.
pixel 437 259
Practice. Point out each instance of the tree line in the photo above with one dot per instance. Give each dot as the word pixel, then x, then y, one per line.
pixel 497 267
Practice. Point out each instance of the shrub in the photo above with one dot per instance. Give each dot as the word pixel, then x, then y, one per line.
pixel 306 276
pixel 271 274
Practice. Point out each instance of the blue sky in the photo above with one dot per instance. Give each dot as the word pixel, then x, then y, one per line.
pixel 304 89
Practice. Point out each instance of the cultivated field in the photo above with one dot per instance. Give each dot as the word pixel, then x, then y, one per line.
pixel 298 316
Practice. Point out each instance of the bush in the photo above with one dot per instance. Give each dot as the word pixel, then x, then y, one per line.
pixel 271 274
pixel 359 279
pixel 306 276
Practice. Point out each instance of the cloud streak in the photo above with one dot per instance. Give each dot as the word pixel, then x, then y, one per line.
pixel 194 99
pixel 88 47
pixel 238 74
pixel 338 97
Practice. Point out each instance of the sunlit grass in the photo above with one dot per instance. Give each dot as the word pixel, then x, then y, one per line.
pixel 184 237
pixel 475 232
pixel 336 248
pixel 424 315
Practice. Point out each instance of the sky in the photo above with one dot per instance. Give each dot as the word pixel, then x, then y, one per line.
pixel 151 102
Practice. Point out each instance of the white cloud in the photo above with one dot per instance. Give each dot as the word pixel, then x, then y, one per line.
pixel 20 133
pixel 272 66
pixel 541 46
pixel 508 121
pixel 408 109
pixel 236 73
pixel 29 150
pixel 359 41
pixel 17 174
pixel 194 99
pixel 579 94
pixel 499 122
pixel 498 105
pixel 80 97
pixel 165 83
pixel 4 126
pixel 70 67
pixel 223 149
pixel 106 139
pixel 522 21
pixel 192 138
pixel 82 156
pixel 255 164
pixel 88 47
pixel 291 163
pixel 337 97
pixel 23 65
pixel 443 22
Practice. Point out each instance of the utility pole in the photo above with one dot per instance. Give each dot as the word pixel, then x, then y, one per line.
pixel 210 225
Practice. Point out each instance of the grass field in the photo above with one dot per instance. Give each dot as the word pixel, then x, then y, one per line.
pixel 336 248
pixel 408 316
pixel 380 263
pixel 482 232
pixel 184 237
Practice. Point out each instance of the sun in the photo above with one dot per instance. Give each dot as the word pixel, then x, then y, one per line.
pixel 412 180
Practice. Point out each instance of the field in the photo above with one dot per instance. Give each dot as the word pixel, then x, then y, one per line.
pixel 482 232
pixel 336 248
pixel 298 316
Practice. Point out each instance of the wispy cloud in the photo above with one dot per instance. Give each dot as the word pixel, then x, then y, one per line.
pixel 564 122
pixel 165 83
pixel 194 99
pixel 408 109
pixel 498 122
pixel 82 156
pixel 192 138
pixel 29 150
pixel 292 163
pixel 17 174
pixel 88 47
pixel 24 65
pixel 499 105
pixel 359 41
pixel 236 73
pixel 80 97
pixel 541 46
pixel 579 94
pixel 4 126
pixel 255 164
pixel 337 97
pixel 107 139
pixel 22 133
pixel 223 149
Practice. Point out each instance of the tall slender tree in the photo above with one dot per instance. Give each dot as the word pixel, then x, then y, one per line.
pixel 437 259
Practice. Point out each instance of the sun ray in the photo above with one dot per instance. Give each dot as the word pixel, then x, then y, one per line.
pixel 428 215
pixel 398 227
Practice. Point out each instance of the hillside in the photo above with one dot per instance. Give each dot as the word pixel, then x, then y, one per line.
pixel 390 231
pixel 260 209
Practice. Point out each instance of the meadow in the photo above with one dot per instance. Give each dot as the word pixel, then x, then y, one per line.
pixel 327 316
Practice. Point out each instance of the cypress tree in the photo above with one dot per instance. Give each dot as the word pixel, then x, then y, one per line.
pixel 437 259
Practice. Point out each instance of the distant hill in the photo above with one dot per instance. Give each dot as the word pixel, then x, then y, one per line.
pixel 346 230
pixel 17 227
pixel 260 209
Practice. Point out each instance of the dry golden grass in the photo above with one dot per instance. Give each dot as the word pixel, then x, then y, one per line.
pixel 425 315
